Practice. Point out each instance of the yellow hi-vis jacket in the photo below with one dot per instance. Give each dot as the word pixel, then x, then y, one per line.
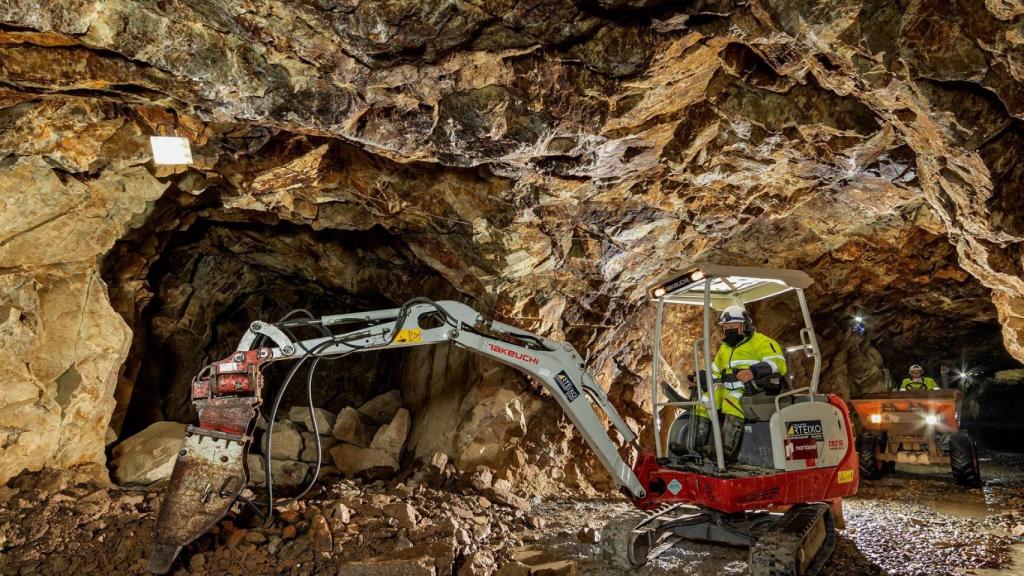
pixel 756 348
pixel 925 383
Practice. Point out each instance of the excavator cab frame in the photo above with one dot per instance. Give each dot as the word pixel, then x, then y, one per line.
pixel 715 287
pixel 785 506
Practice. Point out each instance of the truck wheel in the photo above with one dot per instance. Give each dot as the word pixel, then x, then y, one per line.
pixel 963 460
pixel 887 466
pixel 944 443
pixel 867 444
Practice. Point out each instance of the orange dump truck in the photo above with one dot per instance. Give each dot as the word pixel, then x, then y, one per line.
pixel 914 427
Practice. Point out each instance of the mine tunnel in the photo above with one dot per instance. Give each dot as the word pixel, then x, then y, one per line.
pixel 594 287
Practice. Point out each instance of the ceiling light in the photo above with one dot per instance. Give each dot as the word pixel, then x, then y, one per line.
pixel 858 319
pixel 931 419
pixel 876 418
pixel 170 150
pixel 659 292
pixel 696 275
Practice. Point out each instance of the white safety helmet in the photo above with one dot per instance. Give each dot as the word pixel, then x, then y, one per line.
pixel 916 367
pixel 737 313
pixel 733 314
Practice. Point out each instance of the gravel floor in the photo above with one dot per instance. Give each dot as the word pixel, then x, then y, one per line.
pixel 911 523
pixel 907 524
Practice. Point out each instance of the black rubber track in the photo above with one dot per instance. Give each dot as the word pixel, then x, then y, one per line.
pixel 963 460
pixel 774 554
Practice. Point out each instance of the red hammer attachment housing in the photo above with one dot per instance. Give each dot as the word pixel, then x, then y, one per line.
pixel 211 470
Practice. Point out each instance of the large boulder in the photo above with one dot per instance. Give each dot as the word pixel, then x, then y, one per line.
pixel 324 419
pixel 391 437
pixel 148 456
pixel 383 408
pixel 257 470
pixel 349 427
pixel 286 473
pixel 479 563
pixel 405 513
pixel 285 442
pixel 308 453
pixel 353 460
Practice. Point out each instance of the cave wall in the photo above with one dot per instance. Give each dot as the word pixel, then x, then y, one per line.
pixel 543 160
pixel 211 281
pixel 62 342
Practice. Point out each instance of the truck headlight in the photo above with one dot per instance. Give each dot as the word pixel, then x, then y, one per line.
pixel 931 419
pixel 876 418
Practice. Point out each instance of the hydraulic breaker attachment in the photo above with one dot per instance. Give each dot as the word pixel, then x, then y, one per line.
pixel 210 471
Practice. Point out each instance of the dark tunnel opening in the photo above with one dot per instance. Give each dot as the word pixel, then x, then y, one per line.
pixel 191 297
pixel 960 347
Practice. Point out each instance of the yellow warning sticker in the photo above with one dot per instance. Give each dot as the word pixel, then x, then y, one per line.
pixel 407 336
pixel 845 476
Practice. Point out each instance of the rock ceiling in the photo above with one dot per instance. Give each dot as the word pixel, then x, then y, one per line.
pixel 543 159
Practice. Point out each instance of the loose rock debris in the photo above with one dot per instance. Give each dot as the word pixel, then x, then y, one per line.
pixel 49 524
pixel 432 524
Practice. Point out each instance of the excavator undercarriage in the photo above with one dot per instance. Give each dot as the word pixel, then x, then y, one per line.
pixel 797 542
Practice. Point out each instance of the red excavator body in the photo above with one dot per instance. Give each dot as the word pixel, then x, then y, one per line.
pixel 740 490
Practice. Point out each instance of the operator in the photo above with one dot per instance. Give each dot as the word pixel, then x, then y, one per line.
pixel 744 358
pixel 917 380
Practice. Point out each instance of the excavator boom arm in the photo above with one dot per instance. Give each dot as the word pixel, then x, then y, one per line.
pixel 210 472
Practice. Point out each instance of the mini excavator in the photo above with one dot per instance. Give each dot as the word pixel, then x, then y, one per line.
pixel 778 499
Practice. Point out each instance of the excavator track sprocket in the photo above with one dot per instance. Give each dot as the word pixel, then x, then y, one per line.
pixel 620 544
pixel 799 545
pixel 632 539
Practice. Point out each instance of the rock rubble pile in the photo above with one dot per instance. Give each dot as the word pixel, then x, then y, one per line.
pixel 57 522
pixel 367 441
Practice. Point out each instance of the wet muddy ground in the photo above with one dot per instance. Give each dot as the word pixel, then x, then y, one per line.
pixel 907 524
pixel 911 523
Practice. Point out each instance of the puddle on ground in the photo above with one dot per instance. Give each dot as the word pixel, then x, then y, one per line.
pixel 975 508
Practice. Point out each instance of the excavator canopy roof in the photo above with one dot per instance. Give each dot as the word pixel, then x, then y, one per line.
pixel 729 284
